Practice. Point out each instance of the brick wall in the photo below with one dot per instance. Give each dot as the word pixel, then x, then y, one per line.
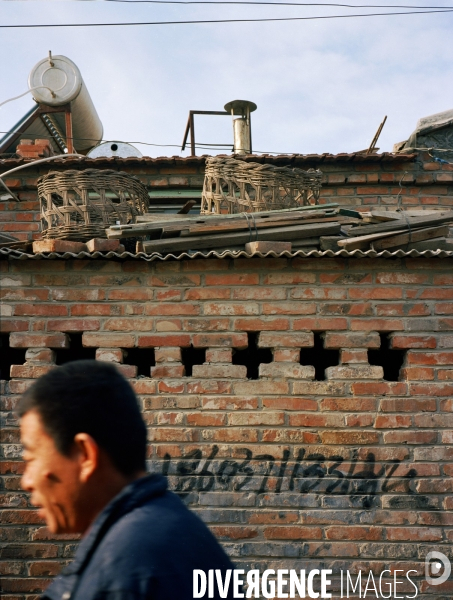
pixel 349 180
pixel 294 468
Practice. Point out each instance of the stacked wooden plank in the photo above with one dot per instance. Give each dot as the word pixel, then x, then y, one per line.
pixel 300 227
pixel 393 230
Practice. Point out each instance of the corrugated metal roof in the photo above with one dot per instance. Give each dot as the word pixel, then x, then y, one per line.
pixel 19 255
pixel 280 159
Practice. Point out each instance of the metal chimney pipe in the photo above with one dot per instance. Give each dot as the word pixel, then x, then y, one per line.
pixel 242 130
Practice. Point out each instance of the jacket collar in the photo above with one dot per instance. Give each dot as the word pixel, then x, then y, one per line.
pixel 133 495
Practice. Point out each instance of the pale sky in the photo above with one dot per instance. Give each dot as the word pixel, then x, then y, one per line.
pixel 320 86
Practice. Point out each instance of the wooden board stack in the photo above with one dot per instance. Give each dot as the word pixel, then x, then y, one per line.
pixel 323 227
pixel 261 232
pixel 393 230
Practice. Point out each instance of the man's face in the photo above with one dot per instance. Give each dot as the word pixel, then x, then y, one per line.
pixel 52 478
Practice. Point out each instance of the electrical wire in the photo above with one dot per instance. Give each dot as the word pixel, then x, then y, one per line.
pixel 216 21
pixel 52 93
pixel 207 146
pixel 248 2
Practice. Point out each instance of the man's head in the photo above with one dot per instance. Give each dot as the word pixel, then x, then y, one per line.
pixel 84 439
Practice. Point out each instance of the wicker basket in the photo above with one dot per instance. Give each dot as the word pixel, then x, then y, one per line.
pixel 79 205
pixel 234 186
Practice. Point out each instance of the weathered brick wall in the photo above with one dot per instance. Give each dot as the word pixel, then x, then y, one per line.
pixel 349 180
pixel 294 469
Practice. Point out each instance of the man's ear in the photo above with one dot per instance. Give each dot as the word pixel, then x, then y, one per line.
pixel 87 451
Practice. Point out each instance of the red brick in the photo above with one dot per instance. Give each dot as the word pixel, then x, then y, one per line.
pixel 172 309
pixel 285 340
pixel 219 356
pixel 206 420
pixel 161 371
pixel 431 389
pixel 392 421
pixel 407 405
pixel 290 403
pixel 380 389
pixel 437 293
pixel 430 358
pixel 420 534
pixel 182 340
pixel 376 324
pixel 293 532
pixel 108 340
pixel 410 437
pixel 30 371
pixel 320 324
pixel 378 293
pixel 208 294
pixel 232 279
pixel 178 280
pixel 349 437
pixel 216 371
pixel 286 355
pixel 417 373
pixel 289 278
pixel 354 533
pixel 30 340
pixel 412 341
pixel 261 293
pixel 58 246
pixel 265 324
pixel 79 325
pixel 234 533
pixel 349 404
pixel 12 325
pixel 288 308
pixel 102 245
pixel 352 340
pixel 219 340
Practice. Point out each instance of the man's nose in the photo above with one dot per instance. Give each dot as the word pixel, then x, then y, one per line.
pixel 27 481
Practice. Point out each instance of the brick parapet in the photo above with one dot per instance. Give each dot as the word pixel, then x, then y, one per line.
pixel 289 470
pixel 350 181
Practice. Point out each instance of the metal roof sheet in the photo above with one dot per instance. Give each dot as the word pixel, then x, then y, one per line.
pixel 19 255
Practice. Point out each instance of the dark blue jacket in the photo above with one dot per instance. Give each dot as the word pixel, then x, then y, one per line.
pixel 143 546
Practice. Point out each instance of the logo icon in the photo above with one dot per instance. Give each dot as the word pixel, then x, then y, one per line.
pixel 434 563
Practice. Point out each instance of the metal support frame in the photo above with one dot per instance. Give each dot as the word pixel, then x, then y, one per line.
pixel 43 109
pixel 190 127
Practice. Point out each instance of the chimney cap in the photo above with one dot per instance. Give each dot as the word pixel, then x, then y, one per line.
pixel 239 107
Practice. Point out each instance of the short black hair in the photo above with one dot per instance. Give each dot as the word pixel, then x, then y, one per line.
pixel 89 396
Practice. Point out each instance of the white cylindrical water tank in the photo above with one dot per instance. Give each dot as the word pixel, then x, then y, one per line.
pixel 109 149
pixel 63 77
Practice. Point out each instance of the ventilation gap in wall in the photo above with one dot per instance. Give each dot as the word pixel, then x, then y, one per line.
pixel 252 356
pixel 75 351
pixel 387 358
pixel 142 358
pixel 192 356
pixel 319 357
pixel 9 356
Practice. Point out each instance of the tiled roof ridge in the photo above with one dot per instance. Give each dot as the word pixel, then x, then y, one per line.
pixel 271 158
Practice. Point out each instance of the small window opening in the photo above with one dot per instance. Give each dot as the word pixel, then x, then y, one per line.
pixel 142 358
pixel 75 351
pixel 252 356
pixel 387 358
pixel 192 356
pixel 9 356
pixel 319 357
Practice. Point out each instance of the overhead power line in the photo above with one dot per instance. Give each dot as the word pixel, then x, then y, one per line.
pixel 200 22
pixel 252 2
